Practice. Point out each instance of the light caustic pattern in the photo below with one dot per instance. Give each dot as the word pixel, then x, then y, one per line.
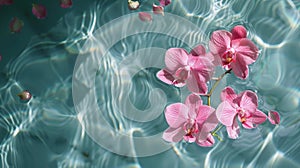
pixel 97 103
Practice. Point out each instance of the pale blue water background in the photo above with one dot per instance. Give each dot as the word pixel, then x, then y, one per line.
pixel 49 131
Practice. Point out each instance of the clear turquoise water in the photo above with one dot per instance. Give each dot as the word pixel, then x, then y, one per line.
pixel 97 102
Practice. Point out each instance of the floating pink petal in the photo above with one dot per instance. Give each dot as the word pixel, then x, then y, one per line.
pixel 0 57
pixel 66 3
pixel 158 9
pixel 164 2
pixel 6 2
pixel 25 95
pixel 16 25
pixel 39 11
pixel 144 16
pixel 274 117
pixel 133 5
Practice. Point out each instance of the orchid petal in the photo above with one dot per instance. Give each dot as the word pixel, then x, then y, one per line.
pixel 233 130
pixel 189 138
pixel 247 124
pixel 208 142
pixel 274 117
pixel 240 69
pixel 209 125
pixel 173 134
pixel 165 76
pixel 176 114
pixel 175 58
pixel 164 2
pixel 16 25
pixel 228 94
pixel 144 16
pixel 66 3
pixel 195 83
pixel 220 41
pixel 258 117
pixel 39 11
pixel 193 102
pixel 248 101
pixel 226 113
pixel 204 112
pixel 239 32
pixel 158 9
pixel 198 50
pixel 246 50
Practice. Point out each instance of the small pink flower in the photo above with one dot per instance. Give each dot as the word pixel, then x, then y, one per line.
pixel 233 50
pixel 39 11
pixel 6 2
pixel 164 2
pixel 144 16
pixel 242 107
pixel 191 121
pixel 158 9
pixel 274 117
pixel 133 5
pixel 16 25
pixel 194 69
pixel 66 3
pixel 25 95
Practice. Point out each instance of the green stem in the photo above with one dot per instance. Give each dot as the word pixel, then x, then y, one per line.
pixel 214 133
pixel 215 85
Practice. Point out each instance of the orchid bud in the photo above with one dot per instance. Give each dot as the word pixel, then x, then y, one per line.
pixel 133 5
pixel 25 95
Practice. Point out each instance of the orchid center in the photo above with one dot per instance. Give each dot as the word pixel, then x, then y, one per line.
pixel 191 129
pixel 228 56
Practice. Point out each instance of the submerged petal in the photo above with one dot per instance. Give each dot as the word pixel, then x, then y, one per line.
pixel 66 3
pixel 176 114
pixel 16 25
pixel 144 16
pixel 274 117
pixel 173 134
pixel 238 32
pixel 158 9
pixel 39 11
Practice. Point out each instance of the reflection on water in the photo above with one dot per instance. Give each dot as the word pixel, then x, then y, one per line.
pixel 60 127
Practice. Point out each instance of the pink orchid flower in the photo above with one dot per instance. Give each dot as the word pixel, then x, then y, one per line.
pixel 164 2
pixel 194 69
pixel 66 3
pixel 39 11
pixel 16 25
pixel 6 2
pixel 242 107
pixel 191 121
pixel 233 50
pixel 274 117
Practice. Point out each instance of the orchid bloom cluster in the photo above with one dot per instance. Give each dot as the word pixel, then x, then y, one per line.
pixel 195 122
